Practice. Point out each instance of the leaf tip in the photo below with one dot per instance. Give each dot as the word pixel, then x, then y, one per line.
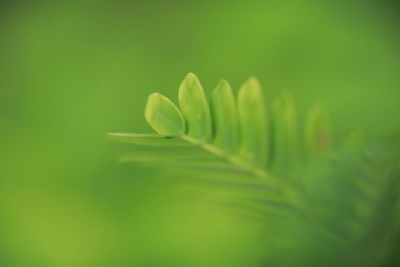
pixel 190 82
pixel 223 85
pixel 253 82
pixel 223 82
pixel 251 89
pixel 190 77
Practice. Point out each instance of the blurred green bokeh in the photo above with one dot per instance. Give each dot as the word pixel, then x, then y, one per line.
pixel 73 71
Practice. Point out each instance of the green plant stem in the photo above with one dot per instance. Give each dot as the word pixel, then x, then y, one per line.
pixel 290 193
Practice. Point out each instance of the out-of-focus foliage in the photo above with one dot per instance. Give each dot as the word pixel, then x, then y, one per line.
pixel 348 198
pixel 71 71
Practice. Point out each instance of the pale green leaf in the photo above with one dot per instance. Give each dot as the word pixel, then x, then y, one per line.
pixel 285 143
pixel 253 123
pixel 163 116
pixel 195 109
pixel 225 117
pixel 317 133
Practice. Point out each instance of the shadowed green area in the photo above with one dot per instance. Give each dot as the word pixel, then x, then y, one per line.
pixel 73 71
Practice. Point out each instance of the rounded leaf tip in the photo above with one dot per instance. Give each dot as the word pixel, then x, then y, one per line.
pixel 163 116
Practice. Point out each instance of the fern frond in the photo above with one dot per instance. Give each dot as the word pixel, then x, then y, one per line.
pixel 265 164
pixel 233 132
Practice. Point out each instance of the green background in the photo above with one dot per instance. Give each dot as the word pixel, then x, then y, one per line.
pixel 72 71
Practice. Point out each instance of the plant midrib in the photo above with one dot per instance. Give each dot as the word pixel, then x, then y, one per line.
pixel 289 192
